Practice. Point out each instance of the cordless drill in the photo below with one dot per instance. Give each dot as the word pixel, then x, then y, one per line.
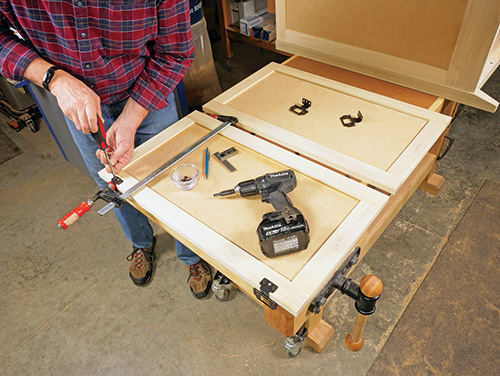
pixel 285 230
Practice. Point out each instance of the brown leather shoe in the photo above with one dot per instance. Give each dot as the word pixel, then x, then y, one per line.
pixel 141 264
pixel 199 279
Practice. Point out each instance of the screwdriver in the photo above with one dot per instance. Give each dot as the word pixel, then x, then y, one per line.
pixel 100 138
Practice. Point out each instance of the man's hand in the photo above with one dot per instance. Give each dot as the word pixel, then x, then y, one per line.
pixel 76 100
pixel 120 139
pixel 82 105
pixel 121 135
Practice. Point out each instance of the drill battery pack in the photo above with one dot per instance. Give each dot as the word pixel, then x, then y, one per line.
pixel 278 237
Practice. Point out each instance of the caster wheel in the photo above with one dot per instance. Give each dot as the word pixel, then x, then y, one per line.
pixel 292 353
pixel 222 295
pixel 32 126
pixel 292 347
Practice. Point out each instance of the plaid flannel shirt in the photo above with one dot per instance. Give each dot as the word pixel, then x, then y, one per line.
pixel 129 48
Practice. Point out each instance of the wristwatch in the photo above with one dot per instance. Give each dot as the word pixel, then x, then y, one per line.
pixel 48 76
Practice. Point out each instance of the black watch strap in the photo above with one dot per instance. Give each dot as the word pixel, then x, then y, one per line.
pixel 48 76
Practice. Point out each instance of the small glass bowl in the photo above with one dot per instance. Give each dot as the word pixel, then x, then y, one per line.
pixel 185 176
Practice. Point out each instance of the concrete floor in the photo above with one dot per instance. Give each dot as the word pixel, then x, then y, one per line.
pixel 456 307
pixel 68 306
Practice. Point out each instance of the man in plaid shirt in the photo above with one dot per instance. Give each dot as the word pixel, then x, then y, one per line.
pixel 119 60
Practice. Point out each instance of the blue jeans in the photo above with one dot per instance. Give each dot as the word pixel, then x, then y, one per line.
pixel 135 224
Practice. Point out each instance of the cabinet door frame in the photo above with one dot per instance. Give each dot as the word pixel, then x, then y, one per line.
pixel 388 181
pixel 476 54
pixel 292 295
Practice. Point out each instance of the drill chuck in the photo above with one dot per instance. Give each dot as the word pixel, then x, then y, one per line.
pixel 245 189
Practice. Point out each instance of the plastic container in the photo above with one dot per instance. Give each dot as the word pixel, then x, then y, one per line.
pixel 185 176
pixel 201 82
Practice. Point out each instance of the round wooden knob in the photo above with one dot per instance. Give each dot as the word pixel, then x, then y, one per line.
pixel 371 286
pixel 354 346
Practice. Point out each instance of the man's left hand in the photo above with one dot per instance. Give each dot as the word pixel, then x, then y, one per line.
pixel 120 136
pixel 120 139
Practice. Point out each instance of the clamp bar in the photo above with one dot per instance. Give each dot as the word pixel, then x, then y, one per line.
pixel 141 184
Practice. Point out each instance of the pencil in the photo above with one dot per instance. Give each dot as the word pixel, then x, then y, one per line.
pixel 207 159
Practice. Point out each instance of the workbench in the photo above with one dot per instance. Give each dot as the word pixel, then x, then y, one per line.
pixel 352 181
pixel 222 231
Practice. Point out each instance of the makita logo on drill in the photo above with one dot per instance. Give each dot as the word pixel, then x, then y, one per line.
pixel 273 226
pixel 279 174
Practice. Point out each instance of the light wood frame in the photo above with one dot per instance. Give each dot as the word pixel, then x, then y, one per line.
pixel 292 295
pixel 475 54
pixel 389 180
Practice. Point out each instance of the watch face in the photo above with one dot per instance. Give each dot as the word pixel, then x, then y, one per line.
pixel 48 77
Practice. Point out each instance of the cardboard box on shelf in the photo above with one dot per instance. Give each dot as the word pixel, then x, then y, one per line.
pixel 246 8
pixel 269 32
pixel 265 31
pixel 258 19
pixel 234 13
pixel 260 4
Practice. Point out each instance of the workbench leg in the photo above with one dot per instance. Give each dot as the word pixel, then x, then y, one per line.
pixel 433 183
pixel 282 320
pixel 320 336
pixel 319 332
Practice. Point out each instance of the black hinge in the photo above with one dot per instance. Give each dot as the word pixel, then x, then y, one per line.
pixel 350 121
pixel 266 287
pixel 301 110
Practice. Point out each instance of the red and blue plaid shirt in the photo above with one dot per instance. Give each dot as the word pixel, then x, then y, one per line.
pixel 129 48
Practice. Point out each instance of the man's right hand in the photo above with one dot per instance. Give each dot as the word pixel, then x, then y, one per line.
pixel 76 100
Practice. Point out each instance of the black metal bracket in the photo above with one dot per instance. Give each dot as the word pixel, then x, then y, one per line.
pixel 446 148
pixel 301 110
pixel 301 334
pixel 266 287
pixel 223 280
pixel 349 121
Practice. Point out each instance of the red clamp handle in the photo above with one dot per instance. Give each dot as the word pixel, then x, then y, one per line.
pixel 100 135
pixel 73 215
